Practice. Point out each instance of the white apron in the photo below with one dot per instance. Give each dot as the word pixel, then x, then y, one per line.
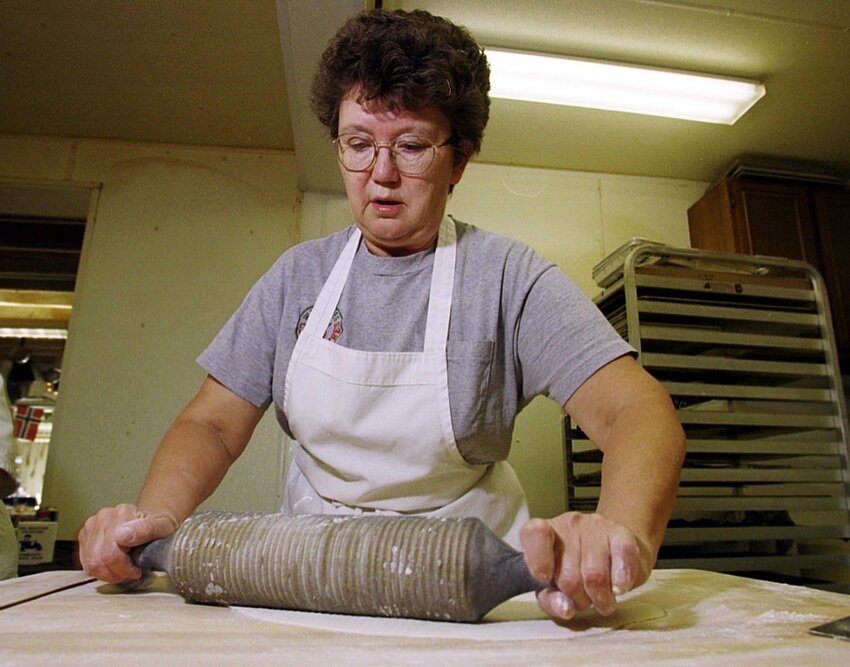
pixel 373 429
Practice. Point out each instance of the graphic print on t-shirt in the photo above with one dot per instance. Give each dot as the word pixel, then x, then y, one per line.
pixel 332 333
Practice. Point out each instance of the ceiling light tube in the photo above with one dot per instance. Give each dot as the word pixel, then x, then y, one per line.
pixel 594 84
pixel 32 306
pixel 33 333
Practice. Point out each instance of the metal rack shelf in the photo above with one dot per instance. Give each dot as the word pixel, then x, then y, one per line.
pixel 744 346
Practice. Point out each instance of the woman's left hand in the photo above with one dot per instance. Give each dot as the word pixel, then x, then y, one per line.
pixel 588 559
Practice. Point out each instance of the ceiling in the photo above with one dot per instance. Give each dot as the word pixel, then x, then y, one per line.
pixel 236 73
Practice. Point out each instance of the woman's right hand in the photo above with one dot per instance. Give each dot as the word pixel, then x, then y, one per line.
pixel 107 537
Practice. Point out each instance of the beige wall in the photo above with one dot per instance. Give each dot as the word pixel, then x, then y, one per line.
pixel 177 237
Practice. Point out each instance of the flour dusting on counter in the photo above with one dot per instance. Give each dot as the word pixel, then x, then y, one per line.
pixel 516 619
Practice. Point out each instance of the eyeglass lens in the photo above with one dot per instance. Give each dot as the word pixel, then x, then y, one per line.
pixel 411 155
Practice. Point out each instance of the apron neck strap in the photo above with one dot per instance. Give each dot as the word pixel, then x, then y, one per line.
pixel 439 300
pixel 442 286
pixel 323 309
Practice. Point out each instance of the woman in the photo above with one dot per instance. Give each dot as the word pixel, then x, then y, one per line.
pixel 398 352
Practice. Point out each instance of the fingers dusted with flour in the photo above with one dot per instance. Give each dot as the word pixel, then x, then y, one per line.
pixel 587 558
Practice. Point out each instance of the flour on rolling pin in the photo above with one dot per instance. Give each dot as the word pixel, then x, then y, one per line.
pixel 394 566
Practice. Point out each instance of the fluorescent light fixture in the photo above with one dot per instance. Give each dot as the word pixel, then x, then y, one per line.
pixel 31 306
pixel 594 84
pixel 32 333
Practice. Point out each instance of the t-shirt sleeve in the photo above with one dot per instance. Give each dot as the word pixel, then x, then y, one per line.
pixel 563 338
pixel 242 354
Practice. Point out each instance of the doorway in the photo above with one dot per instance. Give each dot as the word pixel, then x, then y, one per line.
pixel 41 237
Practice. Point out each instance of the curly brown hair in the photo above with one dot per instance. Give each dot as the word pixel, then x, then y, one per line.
pixel 406 61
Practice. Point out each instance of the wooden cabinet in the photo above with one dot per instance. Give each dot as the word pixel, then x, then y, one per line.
pixel 832 214
pixel 783 219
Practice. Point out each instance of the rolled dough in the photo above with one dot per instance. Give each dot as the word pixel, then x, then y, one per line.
pixel 516 619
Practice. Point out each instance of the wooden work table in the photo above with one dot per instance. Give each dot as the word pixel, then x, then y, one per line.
pixel 703 618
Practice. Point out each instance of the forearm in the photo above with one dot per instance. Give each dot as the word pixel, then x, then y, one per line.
pixel 643 454
pixel 188 466
pixel 591 557
pixel 193 457
pixel 196 452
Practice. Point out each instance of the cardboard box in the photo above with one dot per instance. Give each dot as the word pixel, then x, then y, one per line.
pixel 36 540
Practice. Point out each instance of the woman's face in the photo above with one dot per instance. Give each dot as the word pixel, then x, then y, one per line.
pixel 398 214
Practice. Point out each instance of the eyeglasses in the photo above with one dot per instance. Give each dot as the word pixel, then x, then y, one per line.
pixel 411 155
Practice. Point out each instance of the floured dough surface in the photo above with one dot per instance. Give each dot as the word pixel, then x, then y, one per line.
pixel 516 619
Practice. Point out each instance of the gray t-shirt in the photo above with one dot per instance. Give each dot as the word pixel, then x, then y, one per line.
pixel 519 327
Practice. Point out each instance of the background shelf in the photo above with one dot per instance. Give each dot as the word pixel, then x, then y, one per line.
pixel 744 346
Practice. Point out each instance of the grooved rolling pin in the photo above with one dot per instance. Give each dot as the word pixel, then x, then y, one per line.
pixel 374 565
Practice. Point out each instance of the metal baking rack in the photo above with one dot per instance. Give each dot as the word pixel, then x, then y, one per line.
pixel 744 345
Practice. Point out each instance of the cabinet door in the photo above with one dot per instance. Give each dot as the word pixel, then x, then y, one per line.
pixel 783 219
pixel 711 224
pixel 832 215
pixel 777 219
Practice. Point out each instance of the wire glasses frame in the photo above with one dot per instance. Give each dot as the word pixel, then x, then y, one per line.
pixel 411 155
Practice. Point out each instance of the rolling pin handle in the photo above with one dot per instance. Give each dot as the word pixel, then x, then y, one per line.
pixel 150 557
pixel 500 573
